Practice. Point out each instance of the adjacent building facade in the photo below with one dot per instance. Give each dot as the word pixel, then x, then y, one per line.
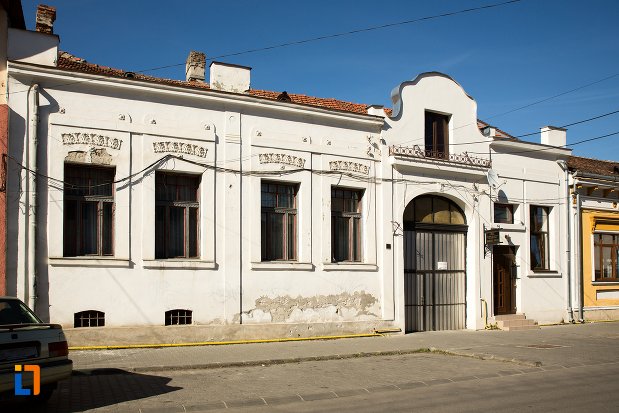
pixel 595 222
pixel 138 201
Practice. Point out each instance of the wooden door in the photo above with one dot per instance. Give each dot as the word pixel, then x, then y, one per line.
pixel 503 258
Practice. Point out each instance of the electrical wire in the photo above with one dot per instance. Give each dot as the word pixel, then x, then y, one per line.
pixel 319 38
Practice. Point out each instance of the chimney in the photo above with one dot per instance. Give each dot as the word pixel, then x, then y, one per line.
pixel 554 136
pixel 46 16
pixel 195 66
pixel 489 131
pixel 229 77
pixel 377 110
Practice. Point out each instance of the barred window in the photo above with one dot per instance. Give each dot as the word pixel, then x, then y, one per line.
pixel 88 210
pixel 278 221
pixel 177 215
pixel 345 224
pixel 178 317
pixel 89 318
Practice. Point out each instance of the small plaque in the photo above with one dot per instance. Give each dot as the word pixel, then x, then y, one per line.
pixel 441 265
pixel 493 237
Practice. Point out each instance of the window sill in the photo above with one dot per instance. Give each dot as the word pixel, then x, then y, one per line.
pixel 180 264
pixel 348 266
pixel 544 274
pixel 605 282
pixel 89 262
pixel 283 265
pixel 509 227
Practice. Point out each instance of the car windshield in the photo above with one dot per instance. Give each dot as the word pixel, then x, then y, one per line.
pixel 16 312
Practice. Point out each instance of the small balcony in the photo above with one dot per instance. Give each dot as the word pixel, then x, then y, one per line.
pixel 453 159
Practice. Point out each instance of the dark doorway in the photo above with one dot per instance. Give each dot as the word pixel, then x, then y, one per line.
pixel 504 279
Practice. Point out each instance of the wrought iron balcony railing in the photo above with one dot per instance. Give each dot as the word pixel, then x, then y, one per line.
pixel 459 158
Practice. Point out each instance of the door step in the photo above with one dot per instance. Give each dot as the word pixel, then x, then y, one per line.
pixel 515 322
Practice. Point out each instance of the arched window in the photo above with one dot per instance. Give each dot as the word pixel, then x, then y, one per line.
pixel 431 209
pixel 89 318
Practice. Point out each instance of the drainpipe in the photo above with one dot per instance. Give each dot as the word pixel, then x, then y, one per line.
pixel 30 271
pixel 568 248
pixel 581 298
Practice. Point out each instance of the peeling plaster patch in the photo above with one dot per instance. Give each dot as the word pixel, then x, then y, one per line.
pixel 320 308
pixel 95 156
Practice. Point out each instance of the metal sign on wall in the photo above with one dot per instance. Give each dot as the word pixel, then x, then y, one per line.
pixel 493 237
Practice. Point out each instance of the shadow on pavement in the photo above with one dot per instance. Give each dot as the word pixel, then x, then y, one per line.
pixel 94 389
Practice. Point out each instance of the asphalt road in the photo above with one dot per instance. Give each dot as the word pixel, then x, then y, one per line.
pixel 417 382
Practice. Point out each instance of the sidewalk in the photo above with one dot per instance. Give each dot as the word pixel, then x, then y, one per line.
pixel 560 346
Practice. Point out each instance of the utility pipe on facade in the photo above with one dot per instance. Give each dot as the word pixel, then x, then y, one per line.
pixel 581 289
pixel 30 272
pixel 568 248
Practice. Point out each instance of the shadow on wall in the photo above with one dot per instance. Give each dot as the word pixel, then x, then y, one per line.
pixel 99 388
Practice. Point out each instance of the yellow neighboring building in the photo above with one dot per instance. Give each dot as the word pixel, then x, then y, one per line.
pixel 595 198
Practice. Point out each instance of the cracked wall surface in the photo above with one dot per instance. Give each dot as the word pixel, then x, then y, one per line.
pixel 357 306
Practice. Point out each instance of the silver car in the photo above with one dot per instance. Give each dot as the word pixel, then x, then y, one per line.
pixel 26 341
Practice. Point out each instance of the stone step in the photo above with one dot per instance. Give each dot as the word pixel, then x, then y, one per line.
pixel 520 328
pixel 509 317
pixel 515 323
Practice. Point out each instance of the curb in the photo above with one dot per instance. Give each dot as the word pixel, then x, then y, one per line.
pixel 272 362
pixel 221 343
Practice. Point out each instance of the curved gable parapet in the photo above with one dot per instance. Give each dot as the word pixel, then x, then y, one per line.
pixel 396 93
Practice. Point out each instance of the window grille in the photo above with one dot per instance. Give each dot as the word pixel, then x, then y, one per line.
pixel 89 318
pixel 178 317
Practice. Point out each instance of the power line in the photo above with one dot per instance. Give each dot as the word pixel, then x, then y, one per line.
pixel 550 147
pixel 348 33
pixel 319 38
pixel 526 134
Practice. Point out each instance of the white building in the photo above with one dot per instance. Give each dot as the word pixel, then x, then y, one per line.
pixel 257 213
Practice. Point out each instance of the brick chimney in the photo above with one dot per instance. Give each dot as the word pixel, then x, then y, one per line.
pixel 46 16
pixel 195 66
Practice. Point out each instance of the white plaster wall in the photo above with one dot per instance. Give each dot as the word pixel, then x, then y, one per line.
pixel 228 283
pixel 132 287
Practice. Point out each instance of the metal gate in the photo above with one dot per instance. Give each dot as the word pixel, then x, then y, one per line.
pixel 434 280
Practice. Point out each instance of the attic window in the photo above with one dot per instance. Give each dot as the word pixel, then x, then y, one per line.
pixel 129 75
pixel 283 97
pixel 616 169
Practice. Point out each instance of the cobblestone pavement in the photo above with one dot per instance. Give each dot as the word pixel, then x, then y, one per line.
pixel 166 385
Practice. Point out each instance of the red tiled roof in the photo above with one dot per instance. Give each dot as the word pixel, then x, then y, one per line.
pixel 66 61
pixel 499 133
pixel 593 166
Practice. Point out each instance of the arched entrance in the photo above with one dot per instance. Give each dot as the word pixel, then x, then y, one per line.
pixel 434 265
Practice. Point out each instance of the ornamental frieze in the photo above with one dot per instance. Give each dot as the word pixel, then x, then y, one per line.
pixel 95 139
pixel 349 167
pixel 179 147
pixel 281 158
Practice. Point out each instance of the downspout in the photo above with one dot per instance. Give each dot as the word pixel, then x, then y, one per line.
pixel 581 283
pixel 568 249
pixel 30 270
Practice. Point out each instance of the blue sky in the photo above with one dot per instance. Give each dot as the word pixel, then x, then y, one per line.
pixel 505 57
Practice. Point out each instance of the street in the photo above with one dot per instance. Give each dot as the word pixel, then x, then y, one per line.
pixel 563 368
